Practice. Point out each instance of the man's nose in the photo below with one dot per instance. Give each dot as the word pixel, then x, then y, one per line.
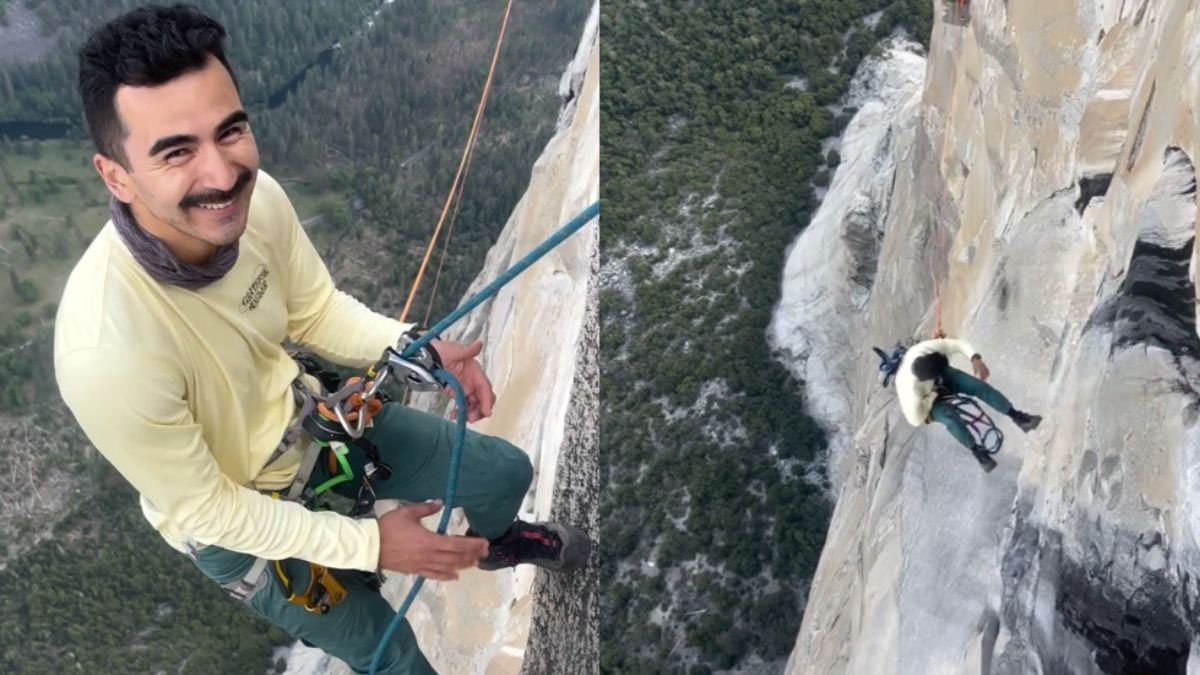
pixel 218 170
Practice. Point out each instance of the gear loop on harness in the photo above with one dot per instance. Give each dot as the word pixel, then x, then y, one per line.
pixel 324 591
pixel 324 424
pixel 988 437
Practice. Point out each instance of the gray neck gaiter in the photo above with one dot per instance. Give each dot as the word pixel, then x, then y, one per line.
pixel 158 260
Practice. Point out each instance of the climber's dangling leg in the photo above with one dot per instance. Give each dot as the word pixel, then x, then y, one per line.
pixel 959 382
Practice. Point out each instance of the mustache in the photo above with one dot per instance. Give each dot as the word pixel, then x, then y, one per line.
pixel 217 196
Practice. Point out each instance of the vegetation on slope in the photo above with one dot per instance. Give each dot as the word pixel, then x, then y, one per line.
pixel 715 509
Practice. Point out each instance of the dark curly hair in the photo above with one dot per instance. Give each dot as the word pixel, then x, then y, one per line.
pixel 148 46
pixel 930 366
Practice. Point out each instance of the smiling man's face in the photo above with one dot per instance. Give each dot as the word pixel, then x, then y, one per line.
pixel 192 161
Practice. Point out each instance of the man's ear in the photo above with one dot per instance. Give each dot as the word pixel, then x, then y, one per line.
pixel 115 177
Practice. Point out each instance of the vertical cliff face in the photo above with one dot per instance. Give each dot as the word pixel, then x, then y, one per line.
pixel 537 352
pixel 540 338
pixel 1047 185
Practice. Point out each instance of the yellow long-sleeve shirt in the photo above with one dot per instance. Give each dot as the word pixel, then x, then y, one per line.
pixel 187 392
pixel 917 397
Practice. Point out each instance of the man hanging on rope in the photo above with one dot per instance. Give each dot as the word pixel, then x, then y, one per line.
pixel 925 381
pixel 168 350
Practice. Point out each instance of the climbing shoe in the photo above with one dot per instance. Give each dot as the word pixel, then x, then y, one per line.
pixel 550 545
pixel 985 460
pixel 1024 420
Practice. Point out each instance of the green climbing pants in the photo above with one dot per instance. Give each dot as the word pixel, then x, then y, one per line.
pixel 955 381
pixel 493 478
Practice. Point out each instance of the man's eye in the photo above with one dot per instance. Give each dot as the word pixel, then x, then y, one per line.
pixel 175 154
pixel 234 131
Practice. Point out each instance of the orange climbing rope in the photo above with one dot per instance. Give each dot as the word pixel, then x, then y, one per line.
pixel 938 251
pixel 437 276
pixel 462 164
pixel 938 333
pixel 960 11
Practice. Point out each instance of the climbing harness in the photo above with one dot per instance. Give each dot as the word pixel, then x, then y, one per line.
pixel 987 437
pixel 333 421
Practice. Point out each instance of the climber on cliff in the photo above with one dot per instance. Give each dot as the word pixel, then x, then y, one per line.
pixel 168 353
pixel 925 381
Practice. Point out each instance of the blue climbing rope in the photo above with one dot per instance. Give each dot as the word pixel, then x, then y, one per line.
pixel 460 398
pixel 460 435
pixel 488 291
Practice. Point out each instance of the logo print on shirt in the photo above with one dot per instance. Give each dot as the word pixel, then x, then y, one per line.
pixel 257 288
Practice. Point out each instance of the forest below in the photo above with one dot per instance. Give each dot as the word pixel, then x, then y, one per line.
pixel 716 502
